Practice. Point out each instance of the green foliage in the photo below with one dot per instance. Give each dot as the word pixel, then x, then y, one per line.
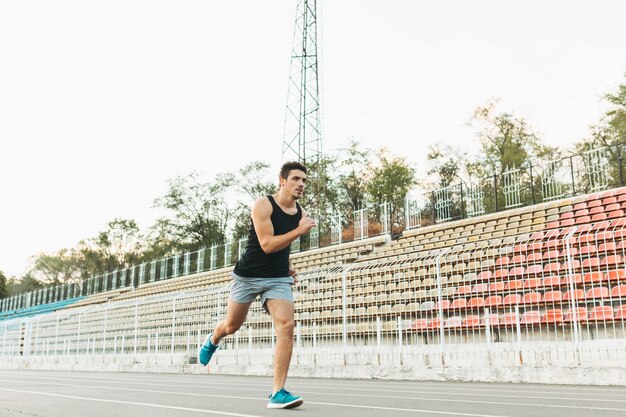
pixel 391 179
pixel 4 290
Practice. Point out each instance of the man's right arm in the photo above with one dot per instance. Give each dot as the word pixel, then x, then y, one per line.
pixel 261 218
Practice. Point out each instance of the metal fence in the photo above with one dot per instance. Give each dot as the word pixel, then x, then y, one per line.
pixel 559 292
pixel 594 170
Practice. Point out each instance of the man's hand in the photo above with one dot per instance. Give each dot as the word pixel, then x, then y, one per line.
pixel 294 275
pixel 306 224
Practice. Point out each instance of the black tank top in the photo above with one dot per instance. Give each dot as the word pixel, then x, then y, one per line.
pixel 254 263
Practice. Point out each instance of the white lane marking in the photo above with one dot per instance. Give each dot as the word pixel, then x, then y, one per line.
pixel 325 393
pixel 199 410
pixel 447 393
pixel 415 384
pixel 104 400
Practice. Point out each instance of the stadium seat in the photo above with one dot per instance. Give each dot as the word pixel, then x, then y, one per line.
pixel 601 313
pixel 518 259
pixel 592 277
pixel 496 286
pixel 577 294
pixel 552 267
pixel 485 275
pixel 471 321
pixel 619 291
pixel 454 322
pixel 553 296
pixel 458 303
pixel 591 263
pixel 514 285
pixel 434 324
pixel 551 281
pixel 532 283
pixel 620 313
pixel 493 301
pixel 551 254
pixel 512 299
pixel 534 257
pixel 517 271
pixel 616 275
pixel 612 260
pixel 480 288
pixel 508 319
pixel 419 325
pixel 531 317
pixel 596 293
pixel 553 316
pixel 588 250
pixel 534 270
pixel 501 273
pixel 464 289
pixel 579 313
pixel 531 298
pixel 476 302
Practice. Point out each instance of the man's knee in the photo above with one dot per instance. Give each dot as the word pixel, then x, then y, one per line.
pixel 284 326
pixel 231 327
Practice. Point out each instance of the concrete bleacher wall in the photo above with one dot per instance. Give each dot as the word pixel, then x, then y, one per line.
pixel 531 295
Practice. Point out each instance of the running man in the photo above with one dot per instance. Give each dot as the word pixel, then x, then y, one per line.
pixel 263 269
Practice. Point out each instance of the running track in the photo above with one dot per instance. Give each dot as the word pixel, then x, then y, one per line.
pixel 86 394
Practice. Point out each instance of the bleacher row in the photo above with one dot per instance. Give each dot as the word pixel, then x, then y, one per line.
pixel 545 266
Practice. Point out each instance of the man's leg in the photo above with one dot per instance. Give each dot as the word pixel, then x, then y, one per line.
pixel 282 315
pixel 235 316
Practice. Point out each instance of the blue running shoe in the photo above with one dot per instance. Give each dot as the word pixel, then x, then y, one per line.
pixel 206 351
pixel 284 399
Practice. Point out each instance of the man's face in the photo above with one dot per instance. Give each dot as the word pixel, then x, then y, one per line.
pixel 295 183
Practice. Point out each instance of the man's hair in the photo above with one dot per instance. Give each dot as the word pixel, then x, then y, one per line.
pixel 289 166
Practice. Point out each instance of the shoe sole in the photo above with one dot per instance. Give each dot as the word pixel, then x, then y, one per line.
pixel 200 350
pixel 293 404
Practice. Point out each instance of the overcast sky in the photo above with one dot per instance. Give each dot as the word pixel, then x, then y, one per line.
pixel 101 101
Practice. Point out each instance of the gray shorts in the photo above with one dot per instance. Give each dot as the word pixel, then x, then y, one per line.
pixel 245 290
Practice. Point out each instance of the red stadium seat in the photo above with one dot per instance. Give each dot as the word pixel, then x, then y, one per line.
pixel 464 289
pixel 551 254
pixel 476 302
pixel 458 303
pixel 532 283
pixel 552 267
pixel 518 271
pixel 552 225
pixel 485 275
pixel 591 263
pixel 480 288
pixel 593 203
pixel 574 264
pixel 512 299
pixel 609 200
pixel 592 277
pixel 534 257
pixel 508 319
pixel 615 214
pixel 601 313
pixel 496 287
pixel 518 259
pixel 607 247
pixel 500 273
pixel 598 217
pixel 553 316
pixel 567 222
pixel 581 212
pixel 553 296
pixel 582 220
pixel 520 248
pixel 588 250
pixel 619 291
pixel 580 206
pixel 620 313
pixel 612 260
pixel 616 275
pixel 514 285
pixel 532 298
pixel 596 293
pixel 611 207
pixel 579 313
pixel 577 294
pixel 445 304
pixel 531 317
pixel 419 324
pixel 600 226
pixel 567 215
pixel 604 235
pixel 493 301
pixel 492 320
pixel 434 324
pixel 471 321
pixel 502 261
pixel 551 281
pixel 534 270
pixel 575 279
pixel 596 210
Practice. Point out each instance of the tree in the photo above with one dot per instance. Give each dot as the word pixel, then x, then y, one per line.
pixel 199 214
pixel 507 141
pixel 353 177
pixel 4 291
pixel 56 268
pixel 391 180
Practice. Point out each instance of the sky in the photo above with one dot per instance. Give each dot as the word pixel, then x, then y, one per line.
pixel 103 101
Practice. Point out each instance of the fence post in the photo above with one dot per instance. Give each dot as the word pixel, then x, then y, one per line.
pixel 173 323
pixel 495 190
pixel 532 183
pixel 571 169
pixel 462 202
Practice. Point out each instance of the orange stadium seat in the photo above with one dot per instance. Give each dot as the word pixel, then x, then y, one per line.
pixel 508 319
pixel 484 275
pixel 612 260
pixel 551 254
pixel 501 273
pixel 534 270
pixel 458 303
pixel 552 267
pixel 534 257
pixel 496 286
pixel 553 296
pixel 596 293
pixel 420 324
pixel 532 283
pixel 434 324
pixel 445 304
pixel 619 291
pixel 580 313
pixel 454 322
pixel 616 275
pixel 593 277
pixel 531 317
pixel 476 302
pixel 553 316
pixel 512 299
pixel 493 301
pixel 551 281
pixel 532 298
pixel 591 263
pixel 514 284
pixel 588 250
pixel 471 321
pixel 464 289
pixel 518 271
pixel 601 313
pixel 518 259
pixel 575 279
pixel 577 294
